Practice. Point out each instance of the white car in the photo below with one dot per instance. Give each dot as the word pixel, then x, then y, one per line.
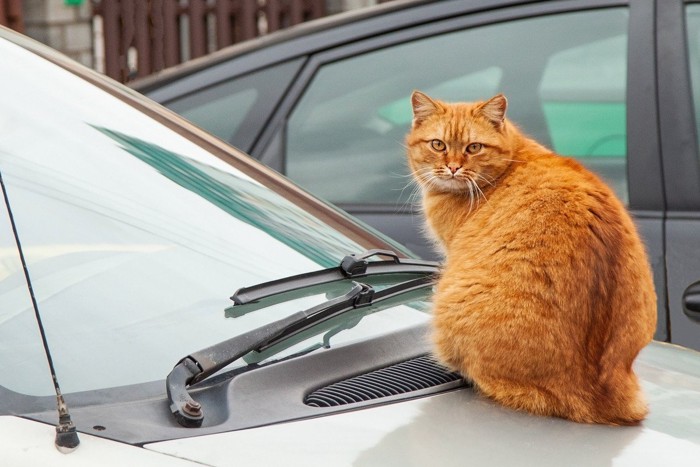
pixel 166 300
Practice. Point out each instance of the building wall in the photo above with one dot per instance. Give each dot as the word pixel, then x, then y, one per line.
pixel 336 6
pixel 65 27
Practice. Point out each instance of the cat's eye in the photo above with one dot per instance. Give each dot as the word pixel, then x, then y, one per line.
pixel 473 148
pixel 437 145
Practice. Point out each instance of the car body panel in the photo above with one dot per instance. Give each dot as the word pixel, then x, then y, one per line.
pixel 29 443
pixel 681 167
pixel 461 427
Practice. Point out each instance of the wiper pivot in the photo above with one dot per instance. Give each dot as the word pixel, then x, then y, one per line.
pixel 187 411
pixel 355 265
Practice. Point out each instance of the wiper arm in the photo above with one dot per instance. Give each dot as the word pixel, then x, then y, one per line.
pixel 351 267
pixel 202 364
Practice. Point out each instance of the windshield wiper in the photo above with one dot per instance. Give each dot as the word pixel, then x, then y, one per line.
pixel 354 266
pixel 202 364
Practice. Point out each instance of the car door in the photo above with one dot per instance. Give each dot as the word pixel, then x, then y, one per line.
pixel 577 75
pixel 678 26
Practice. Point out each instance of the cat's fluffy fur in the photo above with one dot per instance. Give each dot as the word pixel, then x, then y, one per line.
pixel 546 296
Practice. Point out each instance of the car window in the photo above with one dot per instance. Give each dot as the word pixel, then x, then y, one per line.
pixel 237 109
pixel 564 76
pixel 693 31
pixel 14 296
pixel 134 237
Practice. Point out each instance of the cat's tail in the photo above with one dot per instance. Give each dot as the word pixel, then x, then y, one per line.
pixel 617 402
pixel 617 395
pixel 620 400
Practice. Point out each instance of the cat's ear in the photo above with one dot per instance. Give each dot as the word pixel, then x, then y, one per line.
pixel 423 107
pixel 494 109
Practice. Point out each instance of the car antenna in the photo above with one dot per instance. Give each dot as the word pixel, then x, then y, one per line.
pixel 66 434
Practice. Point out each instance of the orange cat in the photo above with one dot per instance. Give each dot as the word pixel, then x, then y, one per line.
pixel 546 295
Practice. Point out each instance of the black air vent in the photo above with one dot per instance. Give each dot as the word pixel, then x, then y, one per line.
pixel 412 375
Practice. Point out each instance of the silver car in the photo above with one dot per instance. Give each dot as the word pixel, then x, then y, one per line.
pixel 166 300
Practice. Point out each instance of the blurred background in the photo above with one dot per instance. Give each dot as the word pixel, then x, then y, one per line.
pixel 129 39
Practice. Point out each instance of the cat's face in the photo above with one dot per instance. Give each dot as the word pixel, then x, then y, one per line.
pixel 458 148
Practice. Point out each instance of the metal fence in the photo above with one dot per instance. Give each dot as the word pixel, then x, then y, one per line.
pixel 11 14
pixel 145 36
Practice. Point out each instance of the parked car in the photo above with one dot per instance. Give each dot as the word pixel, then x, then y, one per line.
pixel 124 230
pixel 615 84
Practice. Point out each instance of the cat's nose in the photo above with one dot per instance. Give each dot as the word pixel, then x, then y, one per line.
pixel 454 168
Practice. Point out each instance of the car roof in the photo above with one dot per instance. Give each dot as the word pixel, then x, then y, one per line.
pixel 331 31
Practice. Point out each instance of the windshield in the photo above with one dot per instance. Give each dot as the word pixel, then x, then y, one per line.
pixel 134 238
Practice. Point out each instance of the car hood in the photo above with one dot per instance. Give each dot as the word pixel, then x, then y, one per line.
pixel 462 427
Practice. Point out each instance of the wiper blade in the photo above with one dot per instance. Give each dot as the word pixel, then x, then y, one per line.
pixel 351 267
pixel 202 364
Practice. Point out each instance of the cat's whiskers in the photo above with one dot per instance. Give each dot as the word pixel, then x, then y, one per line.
pixel 410 183
pixel 473 177
pixel 474 191
pixel 481 177
pixel 398 175
pixel 426 177
pixel 433 181
pixel 480 191
pixel 416 181
pixel 470 184
pixel 416 196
